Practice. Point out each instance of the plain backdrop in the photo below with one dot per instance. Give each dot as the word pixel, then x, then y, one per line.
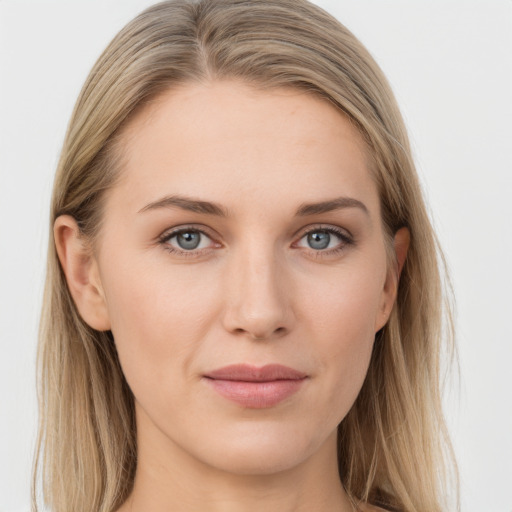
pixel 449 63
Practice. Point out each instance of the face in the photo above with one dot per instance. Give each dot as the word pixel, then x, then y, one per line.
pixel 243 270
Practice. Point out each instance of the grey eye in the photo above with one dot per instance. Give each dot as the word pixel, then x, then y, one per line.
pixel 188 240
pixel 319 240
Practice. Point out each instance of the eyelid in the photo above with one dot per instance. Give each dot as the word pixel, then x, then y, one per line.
pixel 169 232
pixel 341 232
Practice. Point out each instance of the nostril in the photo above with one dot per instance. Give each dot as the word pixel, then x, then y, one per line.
pixel 275 333
pixel 261 336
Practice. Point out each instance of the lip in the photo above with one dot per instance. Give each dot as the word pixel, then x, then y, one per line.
pixel 256 387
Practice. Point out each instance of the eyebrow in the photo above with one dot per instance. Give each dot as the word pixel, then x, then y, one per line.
pixel 187 203
pixel 329 206
pixel 209 208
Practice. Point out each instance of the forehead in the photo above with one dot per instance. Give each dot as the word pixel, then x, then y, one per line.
pixel 233 143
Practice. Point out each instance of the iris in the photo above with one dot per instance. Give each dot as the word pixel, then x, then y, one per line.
pixel 319 239
pixel 188 240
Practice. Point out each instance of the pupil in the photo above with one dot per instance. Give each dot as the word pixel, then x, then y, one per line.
pixel 319 240
pixel 188 240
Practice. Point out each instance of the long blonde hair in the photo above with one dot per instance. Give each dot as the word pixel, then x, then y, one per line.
pixel 393 445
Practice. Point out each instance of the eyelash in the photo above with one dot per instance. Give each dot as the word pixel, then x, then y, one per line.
pixel 345 240
pixel 168 235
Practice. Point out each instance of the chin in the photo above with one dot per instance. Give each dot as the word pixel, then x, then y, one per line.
pixel 262 453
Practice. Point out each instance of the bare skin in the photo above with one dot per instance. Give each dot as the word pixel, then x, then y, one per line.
pixel 287 267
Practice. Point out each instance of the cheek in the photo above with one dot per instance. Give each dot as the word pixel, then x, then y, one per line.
pixel 158 316
pixel 345 301
pixel 161 314
pixel 342 319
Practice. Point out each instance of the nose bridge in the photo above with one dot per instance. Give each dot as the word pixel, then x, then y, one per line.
pixel 258 302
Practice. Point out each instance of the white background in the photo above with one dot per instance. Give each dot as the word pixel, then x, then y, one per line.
pixel 449 63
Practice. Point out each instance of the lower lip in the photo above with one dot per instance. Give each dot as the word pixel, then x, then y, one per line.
pixel 256 395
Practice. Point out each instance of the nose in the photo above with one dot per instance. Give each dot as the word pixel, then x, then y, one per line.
pixel 258 296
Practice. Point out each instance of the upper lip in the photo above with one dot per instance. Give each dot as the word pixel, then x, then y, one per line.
pixel 249 373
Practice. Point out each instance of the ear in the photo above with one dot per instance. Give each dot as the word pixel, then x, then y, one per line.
pixel 401 243
pixel 82 273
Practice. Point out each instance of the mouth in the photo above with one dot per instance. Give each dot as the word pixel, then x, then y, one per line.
pixel 256 387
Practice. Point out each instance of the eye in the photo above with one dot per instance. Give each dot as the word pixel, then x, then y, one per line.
pixel 319 240
pixel 186 240
pixel 325 239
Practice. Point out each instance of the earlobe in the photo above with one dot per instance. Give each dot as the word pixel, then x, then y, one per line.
pixel 401 243
pixel 82 273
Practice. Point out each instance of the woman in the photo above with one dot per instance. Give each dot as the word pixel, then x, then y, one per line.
pixel 243 305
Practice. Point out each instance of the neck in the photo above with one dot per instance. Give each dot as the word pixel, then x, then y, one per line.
pixel 170 479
